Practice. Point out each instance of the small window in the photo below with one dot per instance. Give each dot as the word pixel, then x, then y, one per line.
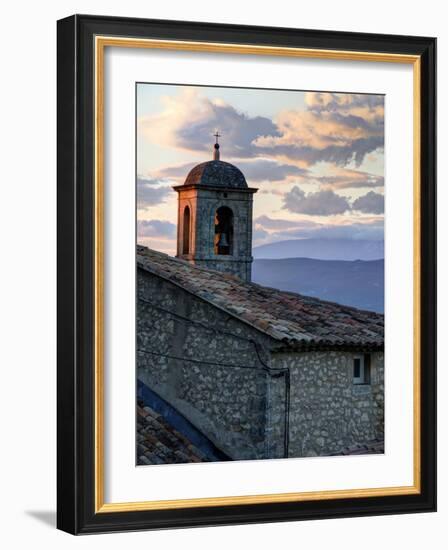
pixel 361 369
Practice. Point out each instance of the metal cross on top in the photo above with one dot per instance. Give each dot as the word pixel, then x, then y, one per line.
pixel 217 135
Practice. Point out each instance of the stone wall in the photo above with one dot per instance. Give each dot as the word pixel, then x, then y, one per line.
pixel 212 368
pixel 327 411
pixel 203 204
pixel 227 379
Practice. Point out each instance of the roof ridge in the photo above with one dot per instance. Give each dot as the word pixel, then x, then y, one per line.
pixel 283 315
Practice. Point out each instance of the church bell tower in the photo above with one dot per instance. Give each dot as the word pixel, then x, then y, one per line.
pixel 214 228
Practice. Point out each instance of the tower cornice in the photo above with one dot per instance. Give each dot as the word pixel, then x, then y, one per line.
pixel 184 187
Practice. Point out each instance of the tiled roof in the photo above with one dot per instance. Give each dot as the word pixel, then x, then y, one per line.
pixel 216 173
pixel 159 443
pixel 373 447
pixel 293 319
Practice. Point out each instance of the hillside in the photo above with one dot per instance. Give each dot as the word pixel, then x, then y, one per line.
pixel 354 283
pixel 322 249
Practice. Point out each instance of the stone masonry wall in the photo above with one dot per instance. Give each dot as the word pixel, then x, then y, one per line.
pixel 221 382
pixel 327 411
pixel 203 204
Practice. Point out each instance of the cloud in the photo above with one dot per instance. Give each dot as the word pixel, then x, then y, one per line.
pixel 337 128
pixel 372 203
pixel 275 192
pixel 256 170
pixel 150 192
pixel 280 224
pixel 156 228
pixel 176 171
pixel 280 229
pixel 270 170
pixel 353 103
pixel 290 150
pixel 326 202
pixel 162 245
pixel 350 179
pixel 189 120
pixel 320 203
pixel 371 230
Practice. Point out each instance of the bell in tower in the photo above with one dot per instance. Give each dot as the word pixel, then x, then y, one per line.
pixel 215 217
pixel 223 231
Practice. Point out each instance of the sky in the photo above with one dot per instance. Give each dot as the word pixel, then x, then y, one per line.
pixel 317 158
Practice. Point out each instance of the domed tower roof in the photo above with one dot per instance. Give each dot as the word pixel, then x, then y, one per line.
pixel 216 173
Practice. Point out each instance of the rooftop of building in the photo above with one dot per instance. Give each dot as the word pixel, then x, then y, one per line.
pixel 216 173
pixel 373 447
pixel 291 319
pixel 158 442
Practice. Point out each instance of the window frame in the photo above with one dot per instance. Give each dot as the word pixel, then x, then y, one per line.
pixel 364 378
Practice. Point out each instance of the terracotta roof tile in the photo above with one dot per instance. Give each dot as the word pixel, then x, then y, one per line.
pixel 159 443
pixel 216 173
pixel 375 446
pixel 290 318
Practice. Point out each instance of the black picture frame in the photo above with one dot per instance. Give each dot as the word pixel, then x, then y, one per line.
pixel 76 512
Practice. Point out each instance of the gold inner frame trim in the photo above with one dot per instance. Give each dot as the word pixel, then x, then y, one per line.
pixel 101 42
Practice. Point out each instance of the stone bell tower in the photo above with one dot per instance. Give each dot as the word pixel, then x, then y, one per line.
pixel 214 228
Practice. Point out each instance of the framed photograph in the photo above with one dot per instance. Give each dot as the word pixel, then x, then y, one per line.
pixel 246 274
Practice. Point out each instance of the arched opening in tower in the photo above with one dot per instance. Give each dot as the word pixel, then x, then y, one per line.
pixel 224 231
pixel 186 231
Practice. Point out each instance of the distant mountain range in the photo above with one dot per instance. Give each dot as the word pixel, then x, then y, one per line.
pixel 354 283
pixel 322 249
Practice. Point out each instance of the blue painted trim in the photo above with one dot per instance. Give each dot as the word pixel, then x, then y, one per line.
pixel 179 422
